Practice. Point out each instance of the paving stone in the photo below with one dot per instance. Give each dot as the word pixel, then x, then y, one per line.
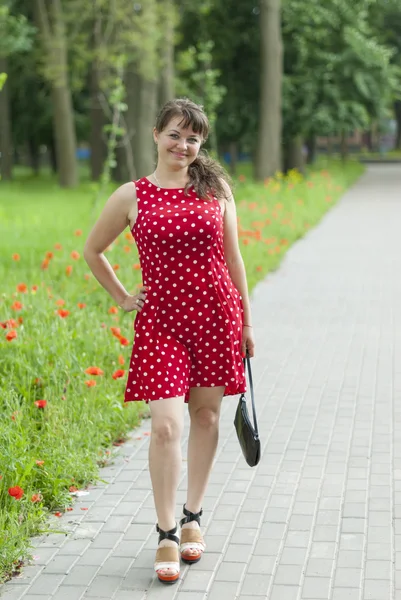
pixel 103 586
pixel 284 592
pixel 256 584
pixel 197 581
pixel 69 592
pixel 220 590
pixel 13 592
pixel 378 589
pixel 288 575
pixel 46 584
pixel 230 571
pixel 316 588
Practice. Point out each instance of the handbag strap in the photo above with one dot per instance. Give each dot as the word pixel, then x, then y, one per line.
pixel 247 365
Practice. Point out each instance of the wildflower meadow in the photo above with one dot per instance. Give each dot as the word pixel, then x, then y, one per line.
pixel 65 346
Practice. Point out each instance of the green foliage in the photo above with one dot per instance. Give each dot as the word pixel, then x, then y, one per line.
pixel 15 32
pixel 353 78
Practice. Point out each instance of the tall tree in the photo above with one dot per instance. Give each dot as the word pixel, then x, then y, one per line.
pixel 15 36
pixel 166 50
pixel 268 159
pixel 50 19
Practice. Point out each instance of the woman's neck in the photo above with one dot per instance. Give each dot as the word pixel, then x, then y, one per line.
pixel 165 178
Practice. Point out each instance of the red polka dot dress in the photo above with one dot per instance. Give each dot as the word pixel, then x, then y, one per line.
pixel 189 331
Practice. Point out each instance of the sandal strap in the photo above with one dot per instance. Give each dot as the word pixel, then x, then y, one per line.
pixel 167 535
pixel 191 536
pixel 167 555
pixel 189 516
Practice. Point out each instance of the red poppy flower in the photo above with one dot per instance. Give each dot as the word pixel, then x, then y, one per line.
pixel 58 514
pixel 45 264
pixel 113 310
pixel 11 335
pixel 16 492
pixel 81 305
pixel 60 302
pixel 22 287
pixel 34 288
pixel 87 276
pixel 136 266
pixel 41 403
pixel 94 371
pixel 36 497
pixel 49 255
pixel 127 249
pixel 121 359
pixel 17 305
pixel 9 324
pixel 116 331
pixel 40 463
pixel 124 341
pixel 75 255
pixel 16 257
pixel 63 313
pixel 58 246
pixel 68 270
pixel 72 488
pixel 119 373
pixel 90 383
pixel 78 232
pixel 116 267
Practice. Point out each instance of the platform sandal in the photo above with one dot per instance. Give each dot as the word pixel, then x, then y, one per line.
pixel 167 557
pixel 191 538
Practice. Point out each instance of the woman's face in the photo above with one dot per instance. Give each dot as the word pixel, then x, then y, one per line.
pixel 177 147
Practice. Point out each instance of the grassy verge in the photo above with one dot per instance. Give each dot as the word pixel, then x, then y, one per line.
pixel 64 347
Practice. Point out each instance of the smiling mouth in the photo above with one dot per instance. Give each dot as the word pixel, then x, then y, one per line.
pixel 179 154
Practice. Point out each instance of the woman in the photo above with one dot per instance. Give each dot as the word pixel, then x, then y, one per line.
pixel 193 322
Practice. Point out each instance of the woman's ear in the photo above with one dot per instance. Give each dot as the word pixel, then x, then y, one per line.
pixel 155 135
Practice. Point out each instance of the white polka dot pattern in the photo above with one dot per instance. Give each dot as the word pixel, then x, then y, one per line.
pixel 189 331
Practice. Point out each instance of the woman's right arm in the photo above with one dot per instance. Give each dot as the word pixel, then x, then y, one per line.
pixel 112 221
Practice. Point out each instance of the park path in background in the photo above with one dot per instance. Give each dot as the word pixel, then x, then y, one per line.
pixel 320 517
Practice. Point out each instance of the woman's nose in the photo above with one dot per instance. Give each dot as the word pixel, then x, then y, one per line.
pixel 182 143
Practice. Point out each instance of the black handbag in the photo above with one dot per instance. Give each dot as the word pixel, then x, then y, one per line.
pixel 248 435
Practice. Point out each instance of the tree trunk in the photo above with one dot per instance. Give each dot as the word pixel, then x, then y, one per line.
pixel 52 31
pixel 344 146
pixel 141 116
pixel 397 111
pixel 329 146
pixel 166 82
pixel 97 121
pixel 6 152
pixel 311 144
pixel 268 159
pixel 34 154
pixel 294 156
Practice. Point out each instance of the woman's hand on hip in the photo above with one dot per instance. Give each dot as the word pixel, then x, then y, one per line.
pixel 135 302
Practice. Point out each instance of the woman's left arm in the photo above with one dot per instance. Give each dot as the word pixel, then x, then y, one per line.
pixel 236 268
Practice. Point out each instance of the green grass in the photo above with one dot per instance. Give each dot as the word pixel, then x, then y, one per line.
pixel 73 435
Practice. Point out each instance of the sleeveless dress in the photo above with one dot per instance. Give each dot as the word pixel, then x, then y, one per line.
pixel 189 331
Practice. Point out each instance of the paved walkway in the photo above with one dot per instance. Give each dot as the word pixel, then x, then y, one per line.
pixel 320 518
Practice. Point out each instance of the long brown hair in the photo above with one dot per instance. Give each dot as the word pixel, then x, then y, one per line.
pixel 205 173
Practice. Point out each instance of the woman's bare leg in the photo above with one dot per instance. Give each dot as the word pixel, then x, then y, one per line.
pixel 165 460
pixel 204 410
